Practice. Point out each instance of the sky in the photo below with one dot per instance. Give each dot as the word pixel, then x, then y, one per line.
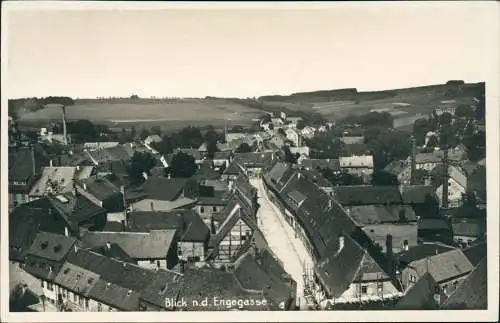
pixel 243 52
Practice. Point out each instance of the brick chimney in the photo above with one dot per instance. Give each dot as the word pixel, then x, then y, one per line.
pixel 390 255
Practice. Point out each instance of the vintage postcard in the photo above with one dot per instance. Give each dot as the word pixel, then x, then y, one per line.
pixel 167 161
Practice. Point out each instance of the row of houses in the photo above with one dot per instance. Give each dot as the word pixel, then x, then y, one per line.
pixel 359 236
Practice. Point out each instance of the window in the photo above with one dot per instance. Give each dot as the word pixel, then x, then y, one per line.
pixel 43 284
pixel 412 278
pixel 158 263
pixel 74 298
pixel 86 303
pixel 214 209
pixel 364 289
pixel 80 301
pixel 243 238
pixel 99 307
pixel 202 209
pixel 380 287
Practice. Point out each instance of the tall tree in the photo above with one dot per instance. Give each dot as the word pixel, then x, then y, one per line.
pixel 182 166
pixel 139 164
pixel 244 148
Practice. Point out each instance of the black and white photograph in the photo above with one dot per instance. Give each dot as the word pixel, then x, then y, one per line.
pixel 302 162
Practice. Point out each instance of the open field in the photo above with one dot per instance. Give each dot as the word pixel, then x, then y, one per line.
pixel 163 113
pixel 399 102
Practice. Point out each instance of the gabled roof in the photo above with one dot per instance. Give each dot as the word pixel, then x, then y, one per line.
pixel 421 295
pixel 262 272
pixel 367 194
pixel 113 251
pixel 339 270
pixel 416 194
pixel 234 168
pixel 476 252
pixel 433 224
pixel 102 155
pixel 396 166
pixel 469 228
pixel 372 214
pixel 332 164
pixel 256 159
pixel 163 188
pixel 100 187
pixel 399 232
pixel 54 180
pixel 76 209
pixel 206 282
pixel 222 155
pixel 472 293
pixel 364 161
pixel 443 266
pixel 128 276
pixel 138 245
pixel 51 246
pixel 189 151
pixel 114 295
pixel 188 223
pixel 421 252
pixel 20 162
pixel 76 279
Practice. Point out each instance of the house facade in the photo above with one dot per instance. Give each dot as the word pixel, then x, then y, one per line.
pixel 357 165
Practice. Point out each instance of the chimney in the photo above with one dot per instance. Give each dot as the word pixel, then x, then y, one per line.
pixel 445 179
pixel 51 164
pixel 66 231
pixel 341 244
pixel 413 160
pixel 75 247
pixel 33 159
pixel 65 133
pixel 152 206
pixel 77 168
pixel 85 186
pixel 390 256
pixel 108 245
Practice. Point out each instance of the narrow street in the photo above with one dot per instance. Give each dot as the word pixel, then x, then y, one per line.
pixel 281 239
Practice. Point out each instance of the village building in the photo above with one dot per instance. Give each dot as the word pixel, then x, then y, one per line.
pixel 357 165
pixel 156 249
pixel 457 187
pixel 448 269
pixel 163 194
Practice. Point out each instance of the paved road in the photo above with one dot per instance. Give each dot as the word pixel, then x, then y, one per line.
pixel 281 240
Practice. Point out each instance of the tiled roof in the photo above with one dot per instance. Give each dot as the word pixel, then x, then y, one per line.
pixel 21 162
pixel 76 279
pixel 189 151
pixel 113 251
pixel 371 214
pixel 421 295
pixel 472 293
pixel 234 168
pixel 365 195
pixel 416 194
pixel 54 180
pixel 212 283
pixel 396 167
pixel 257 159
pixel 51 246
pixel 262 272
pixel 332 164
pixel 339 270
pixel 162 188
pixel 433 224
pixel 102 155
pixel 468 228
pixel 443 266
pixel 138 245
pixel 100 187
pixel 188 223
pixel 75 209
pixel 476 252
pixel 399 232
pixel 114 295
pixel 422 251
pixel 222 155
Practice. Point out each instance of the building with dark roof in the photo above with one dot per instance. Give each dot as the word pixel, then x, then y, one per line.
pixel 472 294
pixel 436 229
pixel 367 195
pixel 89 281
pixel 154 249
pixel 476 252
pixel 261 271
pixel 102 192
pixel 448 269
pixel 349 266
pixel 45 257
pixel 25 165
pixel 467 231
pixel 192 233
pixel 424 295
